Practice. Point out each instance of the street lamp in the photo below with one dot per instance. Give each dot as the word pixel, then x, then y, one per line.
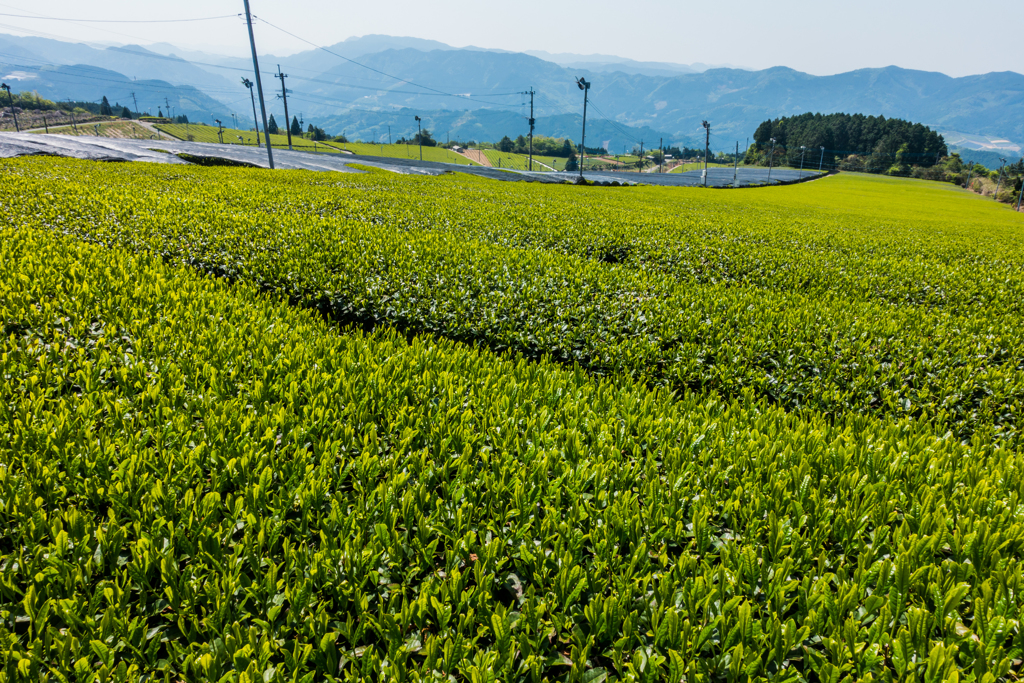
pixel 220 131
pixel 419 135
pixel 248 84
pixel 583 85
pixel 803 150
pixel 822 158
pixel 11 98
pixel 771 160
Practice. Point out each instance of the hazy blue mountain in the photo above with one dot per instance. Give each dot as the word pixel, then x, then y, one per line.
pixel 624 64
pixel 88 83
pixel 329 91
pixel 734 101
pixel 132 61
pixel 984 157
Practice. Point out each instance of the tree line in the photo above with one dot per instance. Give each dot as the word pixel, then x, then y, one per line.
pixel 874 144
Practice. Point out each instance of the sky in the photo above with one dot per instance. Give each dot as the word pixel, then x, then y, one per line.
pixel 820 37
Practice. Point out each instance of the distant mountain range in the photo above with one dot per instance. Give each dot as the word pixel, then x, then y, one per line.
pixel 474 92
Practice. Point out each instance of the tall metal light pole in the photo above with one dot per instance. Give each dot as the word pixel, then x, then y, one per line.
pixel 736 163
pixel 419 135
pixel 803 150
pixel 13 113
pixel 220 130
pixel 248 84
pixel 998 182
pixel 822 161
pixel 707 144
pixel 582 84
pixel 259 83
pixel 771 160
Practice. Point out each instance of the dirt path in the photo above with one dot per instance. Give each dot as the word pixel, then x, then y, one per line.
pixel 477 156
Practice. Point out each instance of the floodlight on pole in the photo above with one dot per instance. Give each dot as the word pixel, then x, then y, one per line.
pixel 822 161
pixel 707 144
pixel 803 150
pixel 248 84
pixel 13 113
pixel 771 160
pixel 419 135
pixel 220 131
pixel 583 85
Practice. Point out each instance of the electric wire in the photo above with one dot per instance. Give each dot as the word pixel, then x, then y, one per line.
pixel 383 73
pixel 117 21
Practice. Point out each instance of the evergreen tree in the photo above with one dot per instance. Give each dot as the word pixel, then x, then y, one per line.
pixel 296 128
pixel 571 164
pixel 272 126
pixel 105 109
pixel 125 114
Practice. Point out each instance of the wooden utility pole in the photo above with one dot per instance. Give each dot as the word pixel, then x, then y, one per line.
pixel 259 84
pixel 284 96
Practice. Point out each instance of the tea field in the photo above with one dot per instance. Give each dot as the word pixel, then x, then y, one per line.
pixel 291 426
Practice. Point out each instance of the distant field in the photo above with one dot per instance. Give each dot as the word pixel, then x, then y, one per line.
pixel 248 137
pixel 683 168
pixel 518 162
pixel 405 152
pixel 104 129
pixel 197 133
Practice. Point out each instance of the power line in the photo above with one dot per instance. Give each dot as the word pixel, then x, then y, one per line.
pixel 118 21
pixel 383 73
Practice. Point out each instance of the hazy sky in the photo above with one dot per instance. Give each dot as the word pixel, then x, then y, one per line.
pixel 816 36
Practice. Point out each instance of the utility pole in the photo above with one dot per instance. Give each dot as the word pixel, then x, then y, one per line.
pixel 661 148
pixel 582 84
pixel 771 160
pixel 822 161
pixel 167 107
pixel 419 136
pixel 707 144
pixel 389 134
pixel 220 131
pixel 259 83
pixel 1021 196
pixel 284 96
pixel 248 84
pixel 531 93
pixel 13 113
pixel 136 104
pixel 999 183
pixel 640 161
pixel 970 173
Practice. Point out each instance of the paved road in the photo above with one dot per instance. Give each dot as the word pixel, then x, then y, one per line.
pixel 166 151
